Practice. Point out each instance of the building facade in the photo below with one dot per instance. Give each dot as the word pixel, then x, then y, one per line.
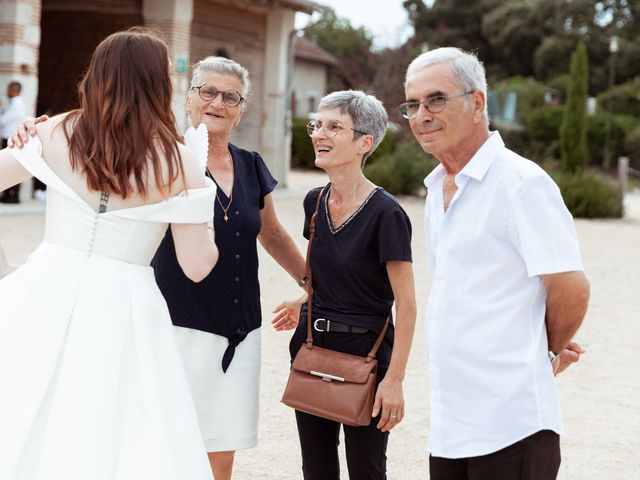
pixel 47 44
pixel 310 72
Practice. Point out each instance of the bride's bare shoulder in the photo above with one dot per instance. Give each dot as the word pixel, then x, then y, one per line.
pixel 52 128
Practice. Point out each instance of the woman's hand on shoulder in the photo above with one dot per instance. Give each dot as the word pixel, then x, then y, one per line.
pixel 287 314
pixel 25 129
pixel 389 403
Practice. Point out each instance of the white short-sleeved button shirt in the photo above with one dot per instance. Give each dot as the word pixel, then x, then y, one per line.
pixel 491 380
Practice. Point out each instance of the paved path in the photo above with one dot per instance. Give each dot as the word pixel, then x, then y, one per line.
pixel 600 396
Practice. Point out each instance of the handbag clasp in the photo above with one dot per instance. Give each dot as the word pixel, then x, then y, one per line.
pixel 326 376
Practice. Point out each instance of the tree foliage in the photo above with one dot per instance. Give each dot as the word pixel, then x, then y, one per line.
pixel 534 37
pixel 351 46
pixel 573 131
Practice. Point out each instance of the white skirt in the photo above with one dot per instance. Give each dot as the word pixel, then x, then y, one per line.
pixel 226 403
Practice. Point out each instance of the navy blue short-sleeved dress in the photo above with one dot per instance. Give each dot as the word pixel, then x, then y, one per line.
pixel 217 321
pixel 350 280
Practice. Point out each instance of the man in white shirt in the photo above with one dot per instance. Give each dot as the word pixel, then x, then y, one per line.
pixel 508 287
pixel 13 114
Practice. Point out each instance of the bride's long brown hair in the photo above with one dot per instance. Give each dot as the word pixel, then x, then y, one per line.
pixel 125 121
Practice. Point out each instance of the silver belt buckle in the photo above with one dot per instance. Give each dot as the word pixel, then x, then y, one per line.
pixel 317 329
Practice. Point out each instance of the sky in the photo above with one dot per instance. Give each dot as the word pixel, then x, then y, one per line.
pixel 386 20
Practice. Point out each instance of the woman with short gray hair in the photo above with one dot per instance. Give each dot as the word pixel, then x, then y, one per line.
pixel 361 264
pixel 217 321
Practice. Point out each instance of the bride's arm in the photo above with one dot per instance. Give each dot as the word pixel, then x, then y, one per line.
pixel 5 267
pixel 11 171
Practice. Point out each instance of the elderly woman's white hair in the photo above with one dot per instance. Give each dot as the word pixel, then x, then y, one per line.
pixel 366 111
pixel 223 66
pixel 468 71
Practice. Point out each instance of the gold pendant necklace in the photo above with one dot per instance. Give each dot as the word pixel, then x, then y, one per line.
pixel 225 210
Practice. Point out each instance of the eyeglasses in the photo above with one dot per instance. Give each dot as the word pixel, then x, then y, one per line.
pixel 331 128
pixel 433 104
pixel 208 93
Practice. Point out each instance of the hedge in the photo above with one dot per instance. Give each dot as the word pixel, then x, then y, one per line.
pixel 589 195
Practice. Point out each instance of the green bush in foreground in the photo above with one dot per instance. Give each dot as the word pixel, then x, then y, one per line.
pixel 589 195
pixel 401 172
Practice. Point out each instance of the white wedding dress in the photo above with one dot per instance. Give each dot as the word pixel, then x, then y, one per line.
pixel 91 383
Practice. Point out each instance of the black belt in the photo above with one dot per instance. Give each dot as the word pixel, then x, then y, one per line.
pixel 324 325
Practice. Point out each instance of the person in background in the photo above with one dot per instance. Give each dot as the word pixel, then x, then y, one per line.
pixel 10 116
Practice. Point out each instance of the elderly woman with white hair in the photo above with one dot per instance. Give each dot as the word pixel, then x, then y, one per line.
pixel 360 263
pixel 218 320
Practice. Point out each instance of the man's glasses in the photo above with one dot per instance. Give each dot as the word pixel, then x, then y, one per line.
pixel 433 104
pixel 331 128
pixel 208 93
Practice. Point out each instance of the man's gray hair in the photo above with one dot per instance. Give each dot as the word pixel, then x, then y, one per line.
pixel 223 66
pixel 366 111
pixel 468 71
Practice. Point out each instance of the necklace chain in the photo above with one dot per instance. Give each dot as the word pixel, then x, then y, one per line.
pixel 224 209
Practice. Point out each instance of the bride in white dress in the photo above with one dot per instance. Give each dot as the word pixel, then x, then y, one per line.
pixel 91 383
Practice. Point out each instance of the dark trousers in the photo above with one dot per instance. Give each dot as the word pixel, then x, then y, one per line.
pixel 12 194
pixel 366 447
pixel 536 457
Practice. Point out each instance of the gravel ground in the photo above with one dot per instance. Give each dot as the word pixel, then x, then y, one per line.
pixel 599 396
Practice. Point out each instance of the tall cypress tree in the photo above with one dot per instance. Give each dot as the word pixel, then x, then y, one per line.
pixel 573 130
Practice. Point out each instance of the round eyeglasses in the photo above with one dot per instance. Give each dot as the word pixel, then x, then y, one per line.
pixel 331 128
pixel 434 104
pixel 208 93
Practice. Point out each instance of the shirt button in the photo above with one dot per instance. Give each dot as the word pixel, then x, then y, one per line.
pixel 235 300
pixel 237 234
pixel 237 257
pixel 237 212
pixel 237 279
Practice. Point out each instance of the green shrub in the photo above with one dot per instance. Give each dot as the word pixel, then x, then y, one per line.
pixel 541 126
pixel 632 146
pixel 622 99
pixel 403 171
pixel 621 126
pixel 516 139
pixel 386 147
pixel 302 153
pixel 589 195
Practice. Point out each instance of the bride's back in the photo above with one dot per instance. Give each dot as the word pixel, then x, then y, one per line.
pixel 56 154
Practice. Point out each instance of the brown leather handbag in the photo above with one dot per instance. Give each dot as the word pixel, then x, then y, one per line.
pixel 329 384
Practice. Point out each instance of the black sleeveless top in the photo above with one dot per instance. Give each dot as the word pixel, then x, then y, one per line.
pixel 227 302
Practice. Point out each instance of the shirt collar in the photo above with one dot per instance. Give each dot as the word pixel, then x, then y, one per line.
pixel 479 164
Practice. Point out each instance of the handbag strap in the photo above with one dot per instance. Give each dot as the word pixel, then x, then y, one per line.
pixel 309 274
pixel 312 234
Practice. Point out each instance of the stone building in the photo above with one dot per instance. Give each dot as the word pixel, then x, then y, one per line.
pixel 309 76
pixel 46 45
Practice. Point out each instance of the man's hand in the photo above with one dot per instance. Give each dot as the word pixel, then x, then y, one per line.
pixel 569 355
pixel 25 129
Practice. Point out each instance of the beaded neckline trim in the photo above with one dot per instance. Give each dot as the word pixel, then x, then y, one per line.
pixel 351 217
